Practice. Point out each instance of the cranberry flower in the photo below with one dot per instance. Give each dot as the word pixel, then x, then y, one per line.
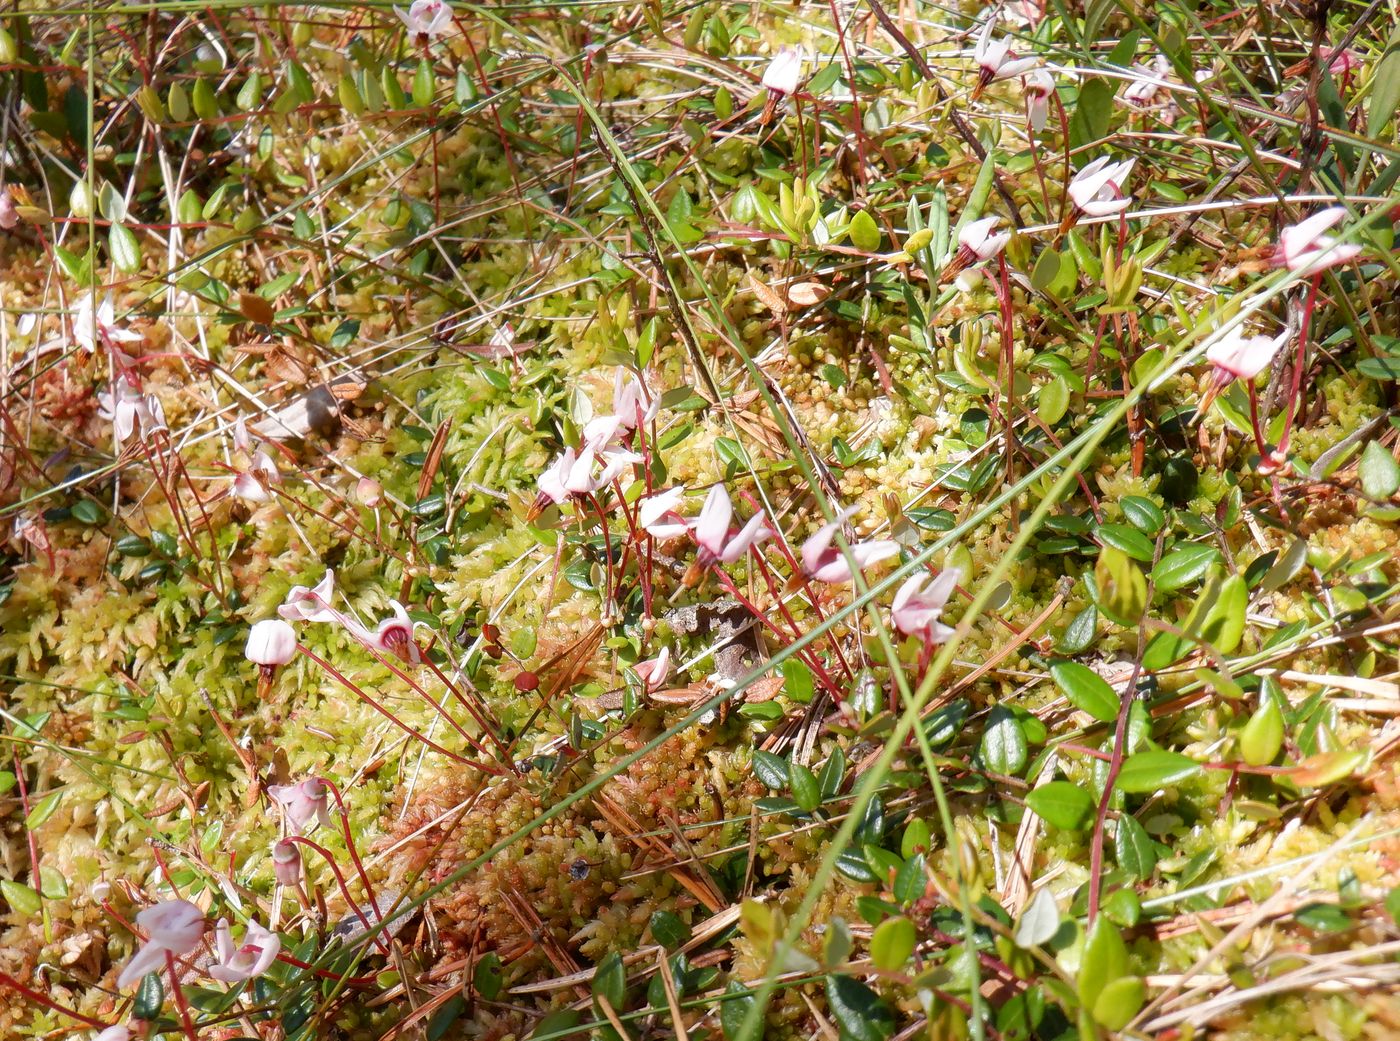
pixel 655 672
pixel 784 72
pixel 172 927
pixel 1306 248
pixel 657 514
pixel 995 60
pixel 426 18
pixel 95 325
pixel 1237 357
pixel 127 409
pixel 311 605
pixel 976 243
pixel 254 484
pixel 271 642
pixel 1097 190
pixel 250 959
pixel 919 604
pixel 9 216
pixel 826 563
pixel 1147 83
pixel 572 473
pixel 711 531
pixel 115 1032
pixel 304 802
pixel 632 403
pixel 1039 86
pixel 286 862
pixel 394 634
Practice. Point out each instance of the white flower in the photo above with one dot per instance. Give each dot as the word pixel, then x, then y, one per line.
pixel 303 802
pixel 1098 188
pixel 127 409
pixel 711 531
pixel 115 1032
pixel 394 635
pixel 1305 248
pixel 271 642
pixel 826 563
pixel 1147 83
pixel 286 862
pixel 172 927
pixel 254 483
pixel 784 72
pixel 657 514
pixel 9 216
pixel 916 609
pixel 250 959
pixel 1244 357
pixel 653 673
pixel 995 59
pixel 977 238
pixel 95 325
pixel 426 17
pixel 311 605
pixel 1039 86
pixel 632 403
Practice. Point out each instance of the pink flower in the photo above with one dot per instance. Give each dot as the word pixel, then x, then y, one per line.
pixel 1305 248
pixel 1039 86
pixel 271 642
pixel 250 959
pixel 9 216
pixel 1342 61
pixel 127 409
pixel 573 473
pixel 711 530
pixel 393 636
pixel 977 238
pixel 1098 188
pixel 303 802
pixel 1244 357
pixel 172 927
pixel 426 17
pixel 655 672
pixel 657 514
pixel 286 862
pixel 826 563
pixel 1147 83
pixel 784 72
pixel 995 59
pixel 95 324
pixel 115 1032
pixel 632 403
pixel 919 603
pixel 254 483
pixel 369 492
pixel 311 605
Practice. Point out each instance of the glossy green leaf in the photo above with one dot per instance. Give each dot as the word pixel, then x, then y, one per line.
pixel 1119 1001
pixel 865 233
pixel 1105 959
pixel 892 944
pixel 1062 804
pixel 806 792
pixel 1133 848
pixel 858 1011
pixel 1086 690
pixel 1262 737
pixel 1183 566
pixel 1148 771
pixel 1004 749
pixel 1121 586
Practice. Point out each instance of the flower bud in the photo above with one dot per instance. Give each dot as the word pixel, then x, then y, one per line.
pixel 369 491
pixel 271 642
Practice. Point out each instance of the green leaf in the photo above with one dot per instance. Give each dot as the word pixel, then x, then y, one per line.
pixel 1039 922
pixel 1183 566
pixel 1129 540
pixel 805 790
pixel 150 997
pixel 486 977
pixel 734 1012
pixel 1262 737
pixel 1119 1002
pixel 610 981
pixel 1086 690
pixel 1121 586
pixel 124 249
pixel 43 809
pixel 1224 622
pixel 892 943
pixel 250 94
pixel 918 838
pixel 1105 959
pixel 22 899
pixel 1053 401
pixel 1385 87
pixel 1080 632
pixel 1061 804
pixel 771 769
pixel 668 930
pixel 1092 112
pixel 1383 368
pixel 1324 918
pixel 1133 847
pixel 1148 771
pixel 423 83
pixel 88 512
pixel 910 881
pixel 858 1010
pixel 1379 472
pixel 1003 749
pixel 833 773
pixel 865 233
pixel 1142 513
pixel 798 683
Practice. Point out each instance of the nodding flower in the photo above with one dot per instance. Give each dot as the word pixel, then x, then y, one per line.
pixel 249 959
pixel 658 514
pixel 255 483
pixel 995 60
pixel 304 802
pixel 1039 87
pixel 784 72
pixel 9 215
pixel 95 325
pixel 1237 357
pixel 655 672
pixel 711 531
pixel 571 474
pixel 919 604
pixel 271 642
pixel 426 18
pixel 1305 248
pixel 976 243
pixel 1147 83
pixel 115 1032
pixel 633 404
pixel 172 927
pixel 286 862
pixel 126 408
pixel 311 605
pixel 1097 190
pixel 394 634
pixel 823 562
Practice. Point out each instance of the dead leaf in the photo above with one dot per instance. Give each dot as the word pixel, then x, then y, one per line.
pixel 256 309
pixel 805 294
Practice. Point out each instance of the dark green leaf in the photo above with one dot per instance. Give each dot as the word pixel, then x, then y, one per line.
pixel 1148 771
pixel 805 790
pixel 1086 690
pixel 859 1013
pixel 1129 540
pixel 1183 566
pixel 1133 847
pixel 771 769
pixel 486 977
